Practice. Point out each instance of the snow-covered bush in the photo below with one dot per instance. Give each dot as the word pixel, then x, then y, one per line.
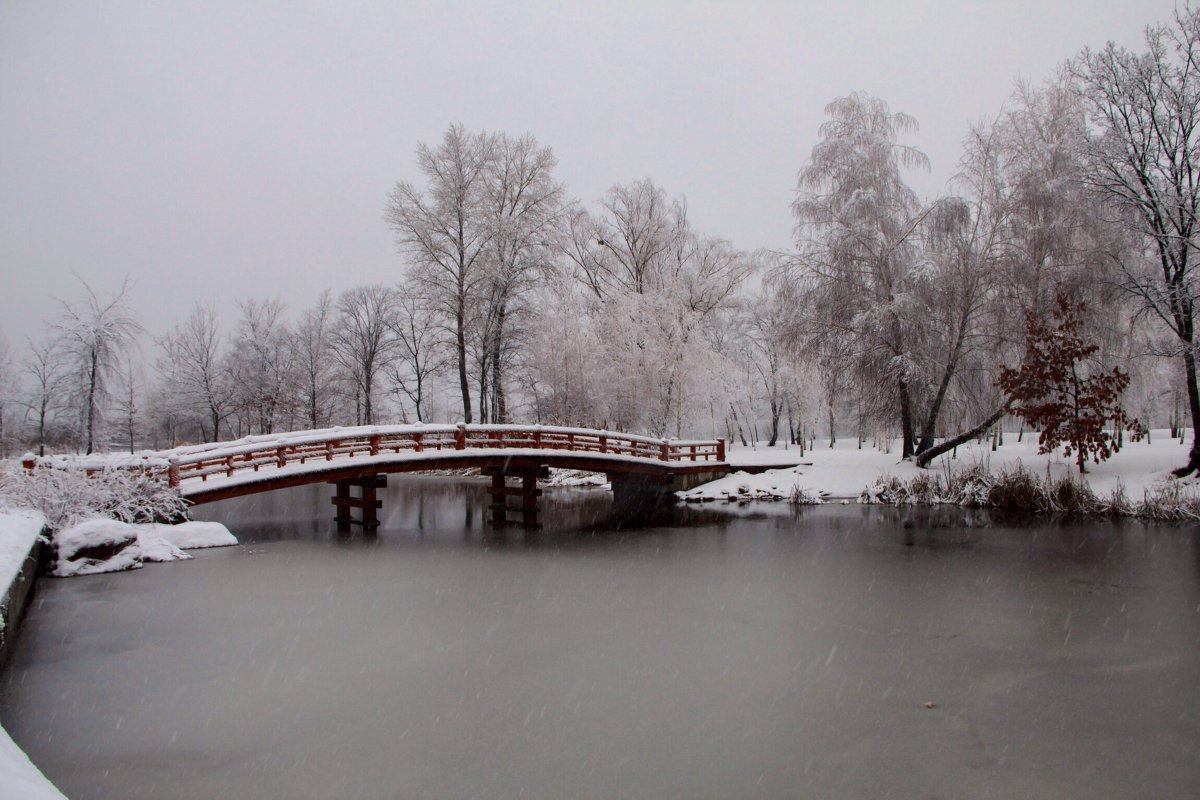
pixel 67 496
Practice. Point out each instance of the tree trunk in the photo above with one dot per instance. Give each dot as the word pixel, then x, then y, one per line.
pixel 461 346
pixel 908 445
pixel 90 411
pixel 925 456
pixel 1189 363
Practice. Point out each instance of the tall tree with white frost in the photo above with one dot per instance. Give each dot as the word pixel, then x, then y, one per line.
pixel 1143 154
pixel 444 233
pixel 857 223
pixel 525 205
pixel 97 334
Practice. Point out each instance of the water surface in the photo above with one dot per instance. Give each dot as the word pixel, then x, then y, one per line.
pixel 827 652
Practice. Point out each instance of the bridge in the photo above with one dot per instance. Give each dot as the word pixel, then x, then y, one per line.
pixel 640 468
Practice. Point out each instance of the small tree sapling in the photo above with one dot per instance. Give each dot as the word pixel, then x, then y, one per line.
pixel 1058 391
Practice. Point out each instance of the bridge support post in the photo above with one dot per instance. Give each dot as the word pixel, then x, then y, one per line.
pixel 526 490
pixel 367 502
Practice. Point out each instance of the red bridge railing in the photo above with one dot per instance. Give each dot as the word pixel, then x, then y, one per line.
pixel 252 453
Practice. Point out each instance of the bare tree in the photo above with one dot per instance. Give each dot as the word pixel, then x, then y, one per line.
pixel 97 334
pixel 444 233
pixel 315 360
pixel 363 341
pixel 1143 154
pixel 262 364
pixel 45 366
pixel 420 354
pixel 191 365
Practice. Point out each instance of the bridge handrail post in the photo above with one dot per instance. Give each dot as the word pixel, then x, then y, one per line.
pixel 172 472
pixel 281 457
pixel 603 443
pixel 460 436
pixel 720 449
pixel 416 437
pixel 663 453
pixel 374 442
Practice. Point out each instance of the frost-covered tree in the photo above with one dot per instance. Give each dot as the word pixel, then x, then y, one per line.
pixel 1143 155
pixel 364 343
pixel 857 227
pixel 420 353
pixel 46 369
pixel 444 233
pixel 315 363
pixel 193 374
pixel 524 205
pixel 262 365
pixel 97 335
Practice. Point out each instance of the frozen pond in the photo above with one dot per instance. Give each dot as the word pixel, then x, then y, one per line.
pixel 782 654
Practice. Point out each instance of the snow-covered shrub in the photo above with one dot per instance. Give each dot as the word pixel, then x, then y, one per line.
pixel 67 496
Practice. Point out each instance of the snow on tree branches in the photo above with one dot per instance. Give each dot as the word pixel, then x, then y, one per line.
pixel 1056 390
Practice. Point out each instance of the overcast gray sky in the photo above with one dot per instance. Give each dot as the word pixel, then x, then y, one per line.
pixel 219 150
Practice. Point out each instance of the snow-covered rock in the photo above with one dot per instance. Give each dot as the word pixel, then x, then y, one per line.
pixel 156 548
pixel 191 535
pixel 95 546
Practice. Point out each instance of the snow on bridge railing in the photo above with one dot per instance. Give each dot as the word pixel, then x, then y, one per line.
pixel 280 450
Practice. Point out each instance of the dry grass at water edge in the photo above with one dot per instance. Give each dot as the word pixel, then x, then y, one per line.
pixel 1022 491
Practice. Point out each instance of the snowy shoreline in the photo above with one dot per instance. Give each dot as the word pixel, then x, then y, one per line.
pixel 843 472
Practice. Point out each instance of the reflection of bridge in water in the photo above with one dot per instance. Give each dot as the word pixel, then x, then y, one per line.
pixel 641 469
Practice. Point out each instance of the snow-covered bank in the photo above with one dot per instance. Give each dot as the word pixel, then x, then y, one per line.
pixel 843 471
pixel 19 778
pixel 18 531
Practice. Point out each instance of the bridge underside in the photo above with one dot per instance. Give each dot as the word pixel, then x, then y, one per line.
pixel 631 479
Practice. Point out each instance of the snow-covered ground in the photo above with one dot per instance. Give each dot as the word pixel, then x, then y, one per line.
pixel 845 470
pixel 18 530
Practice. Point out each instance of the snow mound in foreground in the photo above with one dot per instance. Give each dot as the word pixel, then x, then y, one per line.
pixel 95 546
pixel 191 535
pixel 107 545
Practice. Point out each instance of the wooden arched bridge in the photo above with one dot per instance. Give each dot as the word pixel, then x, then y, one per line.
pixel 640 468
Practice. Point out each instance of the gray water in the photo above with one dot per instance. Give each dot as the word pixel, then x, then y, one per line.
pixel 826 652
